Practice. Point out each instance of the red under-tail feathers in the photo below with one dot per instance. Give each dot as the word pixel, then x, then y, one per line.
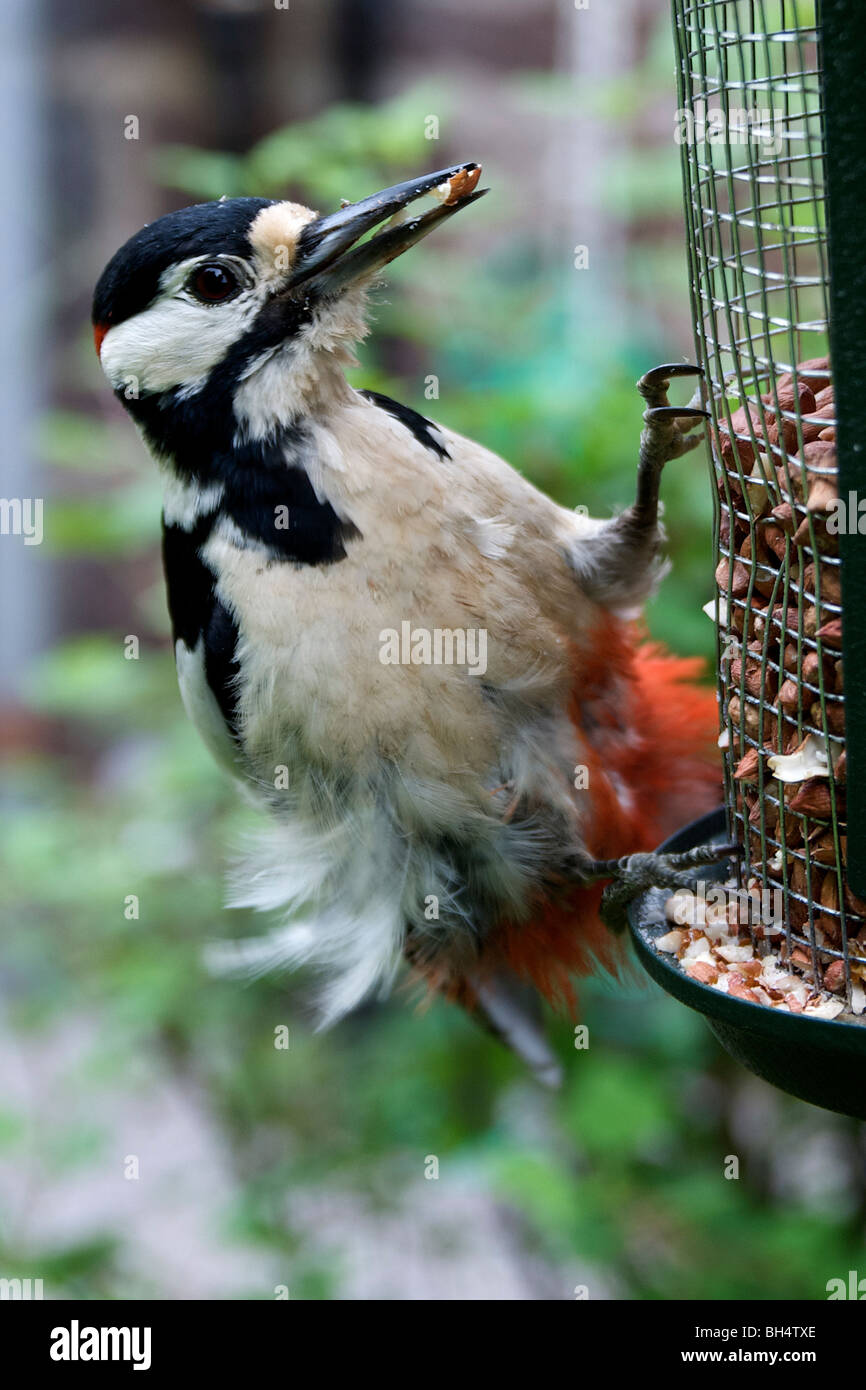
pixel 648 734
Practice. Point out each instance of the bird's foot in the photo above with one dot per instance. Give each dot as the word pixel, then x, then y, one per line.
pixel 666 432
pixel 633 874
pixel 668 425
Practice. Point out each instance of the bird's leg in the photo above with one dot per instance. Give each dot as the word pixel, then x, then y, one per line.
pixel 633 874
pixel 665 436
pixel 619 563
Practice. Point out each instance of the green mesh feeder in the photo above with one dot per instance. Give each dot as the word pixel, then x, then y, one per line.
pixel 773 141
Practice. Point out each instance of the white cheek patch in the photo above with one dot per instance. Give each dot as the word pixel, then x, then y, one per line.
pixel 174 343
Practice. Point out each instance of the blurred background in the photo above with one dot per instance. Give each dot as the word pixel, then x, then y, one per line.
pixel 156 1140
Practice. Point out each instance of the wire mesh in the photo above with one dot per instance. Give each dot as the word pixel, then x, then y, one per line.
pixel 752 141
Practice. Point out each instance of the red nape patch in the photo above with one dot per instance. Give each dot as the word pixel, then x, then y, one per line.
pixel 99 332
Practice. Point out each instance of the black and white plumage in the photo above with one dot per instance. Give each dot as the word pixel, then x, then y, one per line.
pixel 302 519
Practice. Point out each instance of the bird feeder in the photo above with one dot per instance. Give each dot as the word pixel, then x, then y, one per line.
pixel 774 166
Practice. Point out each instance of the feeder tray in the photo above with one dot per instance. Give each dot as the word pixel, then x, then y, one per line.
pixel 823 1062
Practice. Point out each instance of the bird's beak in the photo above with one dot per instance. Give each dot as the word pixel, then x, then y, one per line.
pixel 328 259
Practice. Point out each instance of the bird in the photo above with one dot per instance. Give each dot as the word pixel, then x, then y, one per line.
pixel 432 679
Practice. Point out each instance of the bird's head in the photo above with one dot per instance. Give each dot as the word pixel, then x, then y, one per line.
pixel 208 296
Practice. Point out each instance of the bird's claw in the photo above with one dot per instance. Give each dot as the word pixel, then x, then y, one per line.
pixel 635 873
pixel 666 427
pixel 676 412
pixel 660 377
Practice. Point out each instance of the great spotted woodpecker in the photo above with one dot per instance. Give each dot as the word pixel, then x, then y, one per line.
pixel 319 542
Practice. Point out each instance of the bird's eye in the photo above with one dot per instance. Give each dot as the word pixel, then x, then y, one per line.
pixel 213 283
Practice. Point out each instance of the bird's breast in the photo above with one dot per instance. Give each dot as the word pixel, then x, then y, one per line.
pixel 362 660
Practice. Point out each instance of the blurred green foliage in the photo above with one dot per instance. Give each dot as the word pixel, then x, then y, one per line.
pixel 621 1173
